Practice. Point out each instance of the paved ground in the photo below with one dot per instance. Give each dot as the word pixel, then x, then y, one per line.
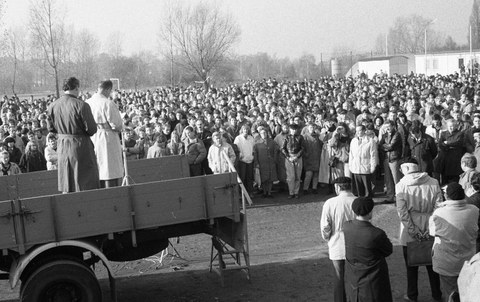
pixel 289 261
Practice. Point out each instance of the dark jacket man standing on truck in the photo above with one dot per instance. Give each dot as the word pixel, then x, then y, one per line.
pixel 72 119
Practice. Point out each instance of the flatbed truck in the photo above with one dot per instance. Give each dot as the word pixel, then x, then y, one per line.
pixel 49 242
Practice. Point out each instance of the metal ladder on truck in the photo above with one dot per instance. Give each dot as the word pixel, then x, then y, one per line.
pixel 230 258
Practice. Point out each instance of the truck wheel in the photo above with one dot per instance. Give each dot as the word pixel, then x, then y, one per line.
pixel 61 281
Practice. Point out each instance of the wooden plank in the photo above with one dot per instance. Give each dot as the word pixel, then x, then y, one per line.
pixel 7 231
pixel 92 213
pixel 220 201
pixel 104 211
pixel 155 169
pixel 169 202
pixel 38 183
pixel 141 171
pixel 38 220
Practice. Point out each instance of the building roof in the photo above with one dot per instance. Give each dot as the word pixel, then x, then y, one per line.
pixel 449 52
pixel 381 58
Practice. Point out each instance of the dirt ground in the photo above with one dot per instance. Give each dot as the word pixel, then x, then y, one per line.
pixel 289 261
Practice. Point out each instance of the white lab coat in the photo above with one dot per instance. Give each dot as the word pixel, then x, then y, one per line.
pixel 107 144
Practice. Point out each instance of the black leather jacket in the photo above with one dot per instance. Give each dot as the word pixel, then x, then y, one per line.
pixel 293 146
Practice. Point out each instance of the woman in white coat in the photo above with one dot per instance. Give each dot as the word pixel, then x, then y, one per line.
pixel 363 157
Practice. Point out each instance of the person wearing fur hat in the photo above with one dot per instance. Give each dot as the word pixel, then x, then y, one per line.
pixel 455 228
pixel 366 247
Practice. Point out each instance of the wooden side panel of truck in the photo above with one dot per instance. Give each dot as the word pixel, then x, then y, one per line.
pixel 122 223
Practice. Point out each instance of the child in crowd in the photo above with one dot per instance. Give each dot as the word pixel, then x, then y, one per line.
pixel 159 149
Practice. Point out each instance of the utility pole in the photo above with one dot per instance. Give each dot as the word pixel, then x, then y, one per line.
pixel 471 61
pixel 386 45
pixel 321 64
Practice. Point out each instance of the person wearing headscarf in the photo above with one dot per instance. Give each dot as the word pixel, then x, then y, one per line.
pixel 33 160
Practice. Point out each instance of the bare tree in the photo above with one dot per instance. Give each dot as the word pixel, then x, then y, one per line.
pixel 475 25
pixel 408 34
pixel 86 50
pixel 15 50
pixel 48 30
pixel 202 34
pixel 114 44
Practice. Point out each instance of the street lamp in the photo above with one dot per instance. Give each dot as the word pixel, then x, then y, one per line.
pixel 426 27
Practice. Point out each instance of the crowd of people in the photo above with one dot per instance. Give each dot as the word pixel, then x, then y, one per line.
pixel 296 135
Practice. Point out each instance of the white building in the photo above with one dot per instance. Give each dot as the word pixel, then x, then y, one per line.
pixel 388 65
pixel 444 63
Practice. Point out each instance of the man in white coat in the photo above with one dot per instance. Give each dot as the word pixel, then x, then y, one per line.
pixel 107 144
pixel 336 211
pixel 417 196
pixel 363 159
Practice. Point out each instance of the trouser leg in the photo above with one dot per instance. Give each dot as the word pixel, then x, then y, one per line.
pixel 109 183
pixel 307 180
pixel 389 182
pixel 448 285
pixel 267 187
pixel 315 180
pixel 434 279
pixel 339 282
pixel 395 169
pixel 249 177
pixel 290 169
pixel 359 185
pixel 298 172
pixel 244 174
pixel 354 184
pixel 368 185
pixel 412 278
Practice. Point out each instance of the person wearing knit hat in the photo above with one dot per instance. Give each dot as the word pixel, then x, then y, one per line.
pixel 13 151
pixel 366 246
pixel 455 227
pixel 417 195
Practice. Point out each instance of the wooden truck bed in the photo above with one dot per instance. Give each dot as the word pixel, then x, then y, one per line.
pixel 151 202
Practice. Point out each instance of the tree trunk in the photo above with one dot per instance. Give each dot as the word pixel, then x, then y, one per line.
pixel 56 81
pixel 14 75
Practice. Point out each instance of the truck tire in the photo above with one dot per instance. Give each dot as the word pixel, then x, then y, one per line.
pixel 61 281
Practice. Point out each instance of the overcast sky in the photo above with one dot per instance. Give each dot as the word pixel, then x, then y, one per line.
pixel 282 27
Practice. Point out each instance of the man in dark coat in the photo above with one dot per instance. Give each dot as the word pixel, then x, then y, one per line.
pixel 293 149
pixel 422 148
pixel 391 145
pixel 475 200
pixel 452 148
pixel 72 119
pixel 366 246
pixel 311 158
pixel 205 136
pixel 469 141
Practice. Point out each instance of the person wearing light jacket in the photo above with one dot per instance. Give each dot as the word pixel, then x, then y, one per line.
pixel 216 161
pixel 417 196
pixel 363 158
pixel 455 228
